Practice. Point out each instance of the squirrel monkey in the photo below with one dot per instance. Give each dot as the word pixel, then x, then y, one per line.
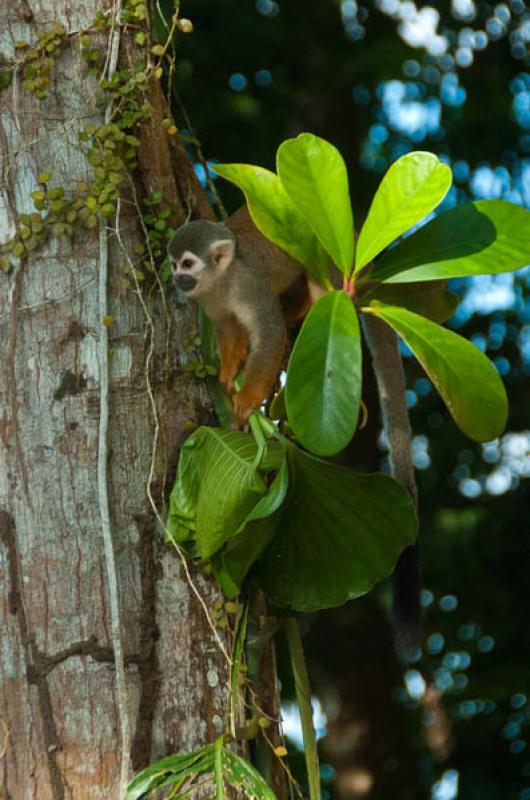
pixel 251 290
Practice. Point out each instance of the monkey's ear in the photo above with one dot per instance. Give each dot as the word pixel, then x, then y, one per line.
pixel 223 252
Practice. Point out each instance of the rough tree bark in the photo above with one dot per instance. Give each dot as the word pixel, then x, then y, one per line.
pixel 57 678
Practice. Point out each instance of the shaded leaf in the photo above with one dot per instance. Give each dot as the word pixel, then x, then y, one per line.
pixel 323 388
pixel 340 533
pixel 414 185
pixel 467 381
pixel 430 298
pixel 314 175
pixel 484 237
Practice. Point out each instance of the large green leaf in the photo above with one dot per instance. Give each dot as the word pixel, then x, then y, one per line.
pixel 323 389
pixel 315 177
pixel 232 563
pixel 277 217
pixel 339 534
pixel 411 188
pixel 467 381
pixel 430 299
pixel 484 237
pixel 218 488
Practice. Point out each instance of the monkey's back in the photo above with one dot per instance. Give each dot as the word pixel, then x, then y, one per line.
pixel 257 249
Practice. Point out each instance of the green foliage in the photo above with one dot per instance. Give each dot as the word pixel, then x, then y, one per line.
pixel 484 237
pixel 314 175
pixel 159 232
pixel 324 377
pixel 110 149
pixel 37 61
pixel 135 11
pixel 467 381
pixel 430 299
pixel 321 534
pixel 339 533
pixel 276 216
pixel 233 562
pixel 183 772
pixel 411 188
pixel 217 508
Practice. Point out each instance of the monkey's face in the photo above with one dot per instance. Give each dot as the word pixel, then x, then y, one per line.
pixel 200 252
pixel 188 270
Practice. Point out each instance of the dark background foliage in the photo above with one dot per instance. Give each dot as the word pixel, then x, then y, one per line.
pixel 379 79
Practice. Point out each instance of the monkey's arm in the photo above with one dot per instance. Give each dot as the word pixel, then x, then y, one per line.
pixel 232 342
pixel 267 335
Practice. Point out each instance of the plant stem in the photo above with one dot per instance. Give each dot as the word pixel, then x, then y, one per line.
pixel 303 696
pixel 388 368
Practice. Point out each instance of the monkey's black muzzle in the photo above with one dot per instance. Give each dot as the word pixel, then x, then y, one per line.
pixel 185 282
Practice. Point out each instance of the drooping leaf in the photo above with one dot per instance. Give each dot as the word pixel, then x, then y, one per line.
pixel 277 217
pixel 430 299
pixel 170 771
pixel 225 766
pixel 323 389
pixel 217 487
pixel 484 237
pixel 314 175
pixel 414 185
pixel 245 778
pixel 467 381
pixel 340 533
pixel 232 563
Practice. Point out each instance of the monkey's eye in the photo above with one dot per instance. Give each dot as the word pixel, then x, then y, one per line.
pixel 187 263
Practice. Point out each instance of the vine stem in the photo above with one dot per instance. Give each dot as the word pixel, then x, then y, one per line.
pixel 104 510
pixel 303 696
pixel 151 325
pixel 390 377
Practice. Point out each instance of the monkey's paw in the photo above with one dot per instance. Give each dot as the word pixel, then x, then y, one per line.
pixel 227 382
pixel 243 405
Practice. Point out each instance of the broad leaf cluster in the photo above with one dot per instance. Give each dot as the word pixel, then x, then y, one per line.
pixel 315 534
pixel 305 208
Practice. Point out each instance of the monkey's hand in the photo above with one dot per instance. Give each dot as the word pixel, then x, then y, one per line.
pixel 243 404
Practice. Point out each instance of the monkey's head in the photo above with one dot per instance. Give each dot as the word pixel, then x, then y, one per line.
pixel 200 252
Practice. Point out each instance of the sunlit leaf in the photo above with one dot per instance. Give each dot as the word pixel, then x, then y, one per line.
pixel 484 237
pixel 414 185
pixel 467 381
pixel 276 216
pixel 323 389
pixel 315 177
pixel 339 533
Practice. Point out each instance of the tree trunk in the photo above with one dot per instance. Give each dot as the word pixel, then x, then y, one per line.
pixel 59 696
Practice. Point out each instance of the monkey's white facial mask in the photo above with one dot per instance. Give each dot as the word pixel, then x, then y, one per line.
pixel 194 276
pixel 186 272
